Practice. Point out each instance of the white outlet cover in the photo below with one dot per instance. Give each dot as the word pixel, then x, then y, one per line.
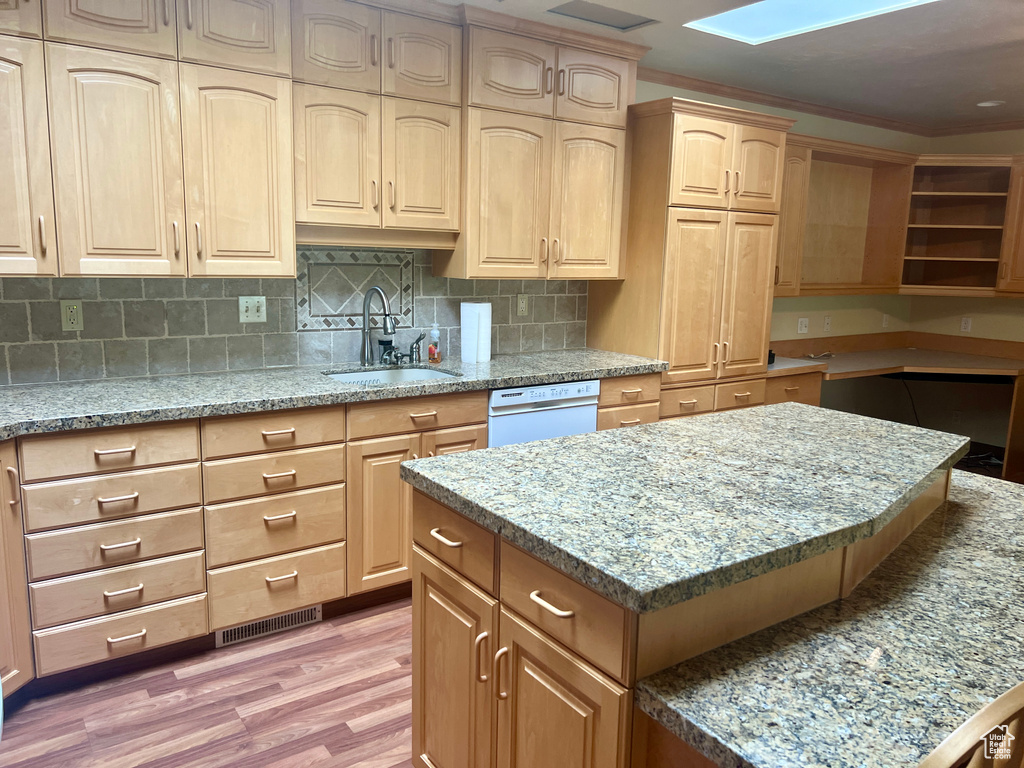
pixel 71 318
pixel 828 323
pixel 885 321
pixel 965 325
pixel 802 325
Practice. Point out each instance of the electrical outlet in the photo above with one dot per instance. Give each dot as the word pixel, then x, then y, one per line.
pixel 252 309
pixel 801 325
pixel 885 321
pixel 71 315
pixel 828 324
pixel 523 304
pixel 965 325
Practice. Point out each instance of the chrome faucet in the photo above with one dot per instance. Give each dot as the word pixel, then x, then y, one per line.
pixel 388 323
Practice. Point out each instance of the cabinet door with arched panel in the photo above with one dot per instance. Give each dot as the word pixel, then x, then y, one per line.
pixel 422 59
pixel 134 26
pixel 591 88
pixel 702 154
pixel 336 43
pixel 21 17
pixel 511 72
pixel 759 155
pixel 253 35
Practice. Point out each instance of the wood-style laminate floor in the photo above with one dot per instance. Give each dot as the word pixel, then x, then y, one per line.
pixel 329 695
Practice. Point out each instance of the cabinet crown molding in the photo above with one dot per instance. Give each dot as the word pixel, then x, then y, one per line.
pixel 480 17
pixel 847 148
pixel 701 109
pixel 977 160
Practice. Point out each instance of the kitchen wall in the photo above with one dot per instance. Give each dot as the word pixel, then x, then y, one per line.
pixel 136 327
pixel 850 315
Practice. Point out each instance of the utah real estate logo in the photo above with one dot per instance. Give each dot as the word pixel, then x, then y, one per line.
pixel 998 743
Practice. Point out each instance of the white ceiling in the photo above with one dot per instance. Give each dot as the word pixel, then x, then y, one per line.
pixel 928 66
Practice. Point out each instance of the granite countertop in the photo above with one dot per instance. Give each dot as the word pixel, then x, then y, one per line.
pixel 656 514
pixel 76 405
pixel 882 677
pixel 789 366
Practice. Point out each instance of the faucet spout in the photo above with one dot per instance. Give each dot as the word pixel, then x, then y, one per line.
pixel 388 323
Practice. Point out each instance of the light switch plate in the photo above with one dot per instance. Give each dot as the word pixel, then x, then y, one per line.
pixel 252 309
pixel 801 325
pixel 71 315
pixel 828 324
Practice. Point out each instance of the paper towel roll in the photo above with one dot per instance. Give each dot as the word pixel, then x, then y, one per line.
pixel 476 332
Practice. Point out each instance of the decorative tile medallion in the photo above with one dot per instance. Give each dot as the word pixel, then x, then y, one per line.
pixel 331 282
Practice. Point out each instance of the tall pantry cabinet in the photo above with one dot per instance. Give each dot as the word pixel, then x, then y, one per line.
pixel 704 201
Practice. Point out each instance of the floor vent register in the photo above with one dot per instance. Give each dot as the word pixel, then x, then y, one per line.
pixel 265 627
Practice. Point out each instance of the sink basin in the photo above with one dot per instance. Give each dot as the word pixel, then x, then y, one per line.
pixel 390 376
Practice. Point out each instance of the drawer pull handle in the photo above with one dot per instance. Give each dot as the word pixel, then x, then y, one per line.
pixel 119 592
pixel 628 422
pixel 114 499
pixel 480 676
pixel 12 473
pixel 687 402
pixel 501 654
pixel 287 516
pixel 742 394
pixel 273 579
pixel 279 475
pixel 447 542
pixel 636 391
pixel 535 596
pixel 136 636
pixel 123 545
pixel 424 415
pixel 114 451
pixel 278 432
pixel 792 389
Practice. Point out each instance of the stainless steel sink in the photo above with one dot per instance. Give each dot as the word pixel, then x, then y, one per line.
pixel 390 376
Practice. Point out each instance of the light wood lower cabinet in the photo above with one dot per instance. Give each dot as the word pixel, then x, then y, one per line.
pixel 557 710
pixel 800 388
pixel 16 665
pixel 28 233
pixel 627 416
pixel 455 627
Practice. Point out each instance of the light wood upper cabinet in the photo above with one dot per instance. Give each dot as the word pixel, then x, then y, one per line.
pixel 422 59
pixel 702 155
pixel 336 43
pixel 757 169
pixel 422 162
pixel 238 152
pixel 379 512
pixel 115 133
pixel 455 627
pixel 508 188
pixel 511 72
pixel 1011 259
pixel 695 257
pixel 559 710
pixel 746 307
pixel 16 666
pixel 793 216
pixel 134 26
pixel 586 201
pixel 337 157
pixel 592 88
pixel 253 35
pixel 28 235
pixel 21 17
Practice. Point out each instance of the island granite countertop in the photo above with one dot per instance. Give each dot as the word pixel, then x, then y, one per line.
pixel 880 678
pixel 656 514
pixel 33 408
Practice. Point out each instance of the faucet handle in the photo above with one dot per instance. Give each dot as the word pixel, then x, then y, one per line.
pixel 414 349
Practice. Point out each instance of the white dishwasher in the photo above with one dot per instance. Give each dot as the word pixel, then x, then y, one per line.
pixel 522 414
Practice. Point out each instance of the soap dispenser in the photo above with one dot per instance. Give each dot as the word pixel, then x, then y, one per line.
pixel 434 348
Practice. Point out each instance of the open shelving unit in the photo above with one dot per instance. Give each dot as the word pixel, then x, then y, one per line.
pixel 956 225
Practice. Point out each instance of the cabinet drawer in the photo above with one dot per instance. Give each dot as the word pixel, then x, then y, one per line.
pixel 628 390
pixel 89 547
pixel 116 589
pixel 687 401
pixel 802 388
pixel 438 530
pixel 272 431
pixel 241 593
pixel 108 497
pixel 286 522
pixel 627 416
pixel 596 628
pixel 414 414
pixel 111 637
pixel 44 457
pixel 739 394
pixel 230 479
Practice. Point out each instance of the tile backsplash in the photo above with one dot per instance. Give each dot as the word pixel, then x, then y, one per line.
pixel 151 326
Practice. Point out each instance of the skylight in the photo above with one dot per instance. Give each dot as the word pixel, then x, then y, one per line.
pixel 775 19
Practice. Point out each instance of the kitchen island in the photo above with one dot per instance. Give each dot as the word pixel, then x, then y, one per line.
pixel 611 557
